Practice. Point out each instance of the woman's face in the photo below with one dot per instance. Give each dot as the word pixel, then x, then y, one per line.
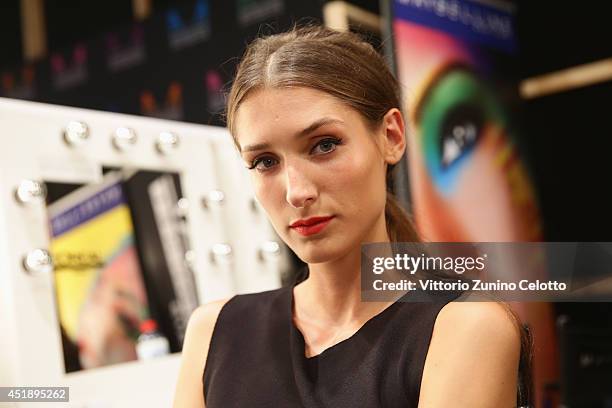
pixel 309 156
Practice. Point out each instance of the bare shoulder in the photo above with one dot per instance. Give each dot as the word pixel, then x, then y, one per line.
pixel 189 388
pixel 203 319
pixel 490 320
pixel 473 356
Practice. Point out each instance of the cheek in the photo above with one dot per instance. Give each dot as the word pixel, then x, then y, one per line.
pixel 269 193
pixel 357 179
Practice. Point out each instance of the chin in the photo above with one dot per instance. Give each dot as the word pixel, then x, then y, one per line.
pixel 313 254
pixel 315 251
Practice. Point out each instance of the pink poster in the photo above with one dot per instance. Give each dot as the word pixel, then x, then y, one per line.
pixel 468 178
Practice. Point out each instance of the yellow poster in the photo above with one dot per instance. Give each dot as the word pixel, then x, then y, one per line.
pixel 101 297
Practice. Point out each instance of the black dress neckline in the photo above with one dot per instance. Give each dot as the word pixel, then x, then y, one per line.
pixel 257 358
pixel 300 343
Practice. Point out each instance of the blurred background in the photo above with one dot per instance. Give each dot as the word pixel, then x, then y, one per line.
pixel 508 105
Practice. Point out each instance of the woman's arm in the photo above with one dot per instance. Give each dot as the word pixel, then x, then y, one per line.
pixel 189 388
pixel 472 359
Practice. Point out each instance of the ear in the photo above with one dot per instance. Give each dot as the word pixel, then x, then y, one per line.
pixel 393 134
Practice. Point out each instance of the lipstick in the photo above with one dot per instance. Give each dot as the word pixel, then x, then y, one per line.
pixel 310 226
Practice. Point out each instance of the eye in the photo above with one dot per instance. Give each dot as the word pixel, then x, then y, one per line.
pixel 263 163
pixel 460 131
pixel 459 105
pixel 325 146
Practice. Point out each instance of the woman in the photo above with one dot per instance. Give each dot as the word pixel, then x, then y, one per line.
pixel 315 116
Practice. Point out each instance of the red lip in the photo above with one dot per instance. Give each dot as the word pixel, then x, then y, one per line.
pixel 311 225
pixel 309 221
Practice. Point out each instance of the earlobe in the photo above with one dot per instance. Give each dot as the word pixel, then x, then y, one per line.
pixel 395 138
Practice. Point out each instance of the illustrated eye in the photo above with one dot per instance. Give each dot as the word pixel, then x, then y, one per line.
pixel 452 118
pixel 326 146
pixel 459 132
pixel 263 163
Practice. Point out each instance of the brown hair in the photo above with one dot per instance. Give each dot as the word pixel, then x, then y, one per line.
pixel 340 64
pixel 343 65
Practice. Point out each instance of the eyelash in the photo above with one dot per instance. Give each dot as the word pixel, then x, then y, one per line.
pixel 333 140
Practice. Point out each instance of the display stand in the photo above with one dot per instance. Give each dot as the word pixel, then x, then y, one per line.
pixel 232 248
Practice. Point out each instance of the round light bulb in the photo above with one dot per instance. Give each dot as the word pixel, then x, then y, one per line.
pixel 221 253
pixel 167 142
pixel 269 250
pixel 214 199
pixel 76 133
pixel 124 138
pixel 38 261
pixel 30 191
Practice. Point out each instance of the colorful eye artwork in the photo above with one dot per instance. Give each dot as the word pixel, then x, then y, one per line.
pixel 468 178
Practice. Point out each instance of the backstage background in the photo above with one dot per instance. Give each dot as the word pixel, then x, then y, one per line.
pixel 175 59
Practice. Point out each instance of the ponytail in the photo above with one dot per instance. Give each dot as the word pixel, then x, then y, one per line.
pixel 399 225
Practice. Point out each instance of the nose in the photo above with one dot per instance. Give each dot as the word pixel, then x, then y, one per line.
pixel 301 191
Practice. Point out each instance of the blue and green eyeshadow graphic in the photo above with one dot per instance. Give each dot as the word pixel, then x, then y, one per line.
pixel 452 115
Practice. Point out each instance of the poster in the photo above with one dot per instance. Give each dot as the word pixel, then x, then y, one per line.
pixel 469 177
pixel 100 294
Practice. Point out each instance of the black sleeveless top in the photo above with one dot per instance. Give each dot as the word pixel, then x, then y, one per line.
pixel 257 357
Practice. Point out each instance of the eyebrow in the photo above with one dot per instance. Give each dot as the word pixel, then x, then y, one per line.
pixel 307 130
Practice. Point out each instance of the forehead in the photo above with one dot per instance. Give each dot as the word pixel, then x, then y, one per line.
pixel 277 112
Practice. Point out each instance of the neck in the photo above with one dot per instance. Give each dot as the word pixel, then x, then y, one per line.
pixel 332 292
